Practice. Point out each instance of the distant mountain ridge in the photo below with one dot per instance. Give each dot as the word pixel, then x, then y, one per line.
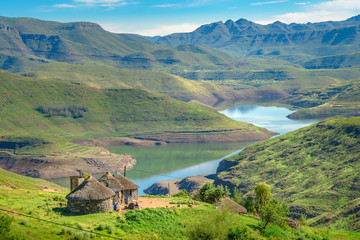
pixel 248 38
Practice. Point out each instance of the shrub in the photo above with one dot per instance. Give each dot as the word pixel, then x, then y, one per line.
pixel 63 109
pixel 211 194
pixel 213 225
pixel 24 222
pixel 263 195
pixel 105 226
pixel 5 224
pixel 249 204
pixel 273 212
pixel 303 220
pixel 239 233
pixel 182 193
pixel 237 196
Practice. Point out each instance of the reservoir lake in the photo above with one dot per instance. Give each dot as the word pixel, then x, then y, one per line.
pixel 179 160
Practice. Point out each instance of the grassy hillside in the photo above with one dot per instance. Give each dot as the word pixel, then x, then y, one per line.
pixel 155 82
pixel 39 118
pixel 32 50
pixel 105 112
pixel 314 169
pixel 334 62
pixel 40 212
pixel 88 43
pixel 335 100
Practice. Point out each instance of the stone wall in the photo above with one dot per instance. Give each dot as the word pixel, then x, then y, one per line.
pixel 90 206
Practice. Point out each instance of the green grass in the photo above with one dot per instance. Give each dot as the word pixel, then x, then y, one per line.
pixel 151 223
pixel 313 169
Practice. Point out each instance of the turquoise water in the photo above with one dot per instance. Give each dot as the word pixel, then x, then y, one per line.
pixel 178 160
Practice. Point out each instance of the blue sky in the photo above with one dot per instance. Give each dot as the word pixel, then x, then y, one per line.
pixel 161 17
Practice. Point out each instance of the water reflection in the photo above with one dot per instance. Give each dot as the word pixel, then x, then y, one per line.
pixel 271 118
pixel 180 160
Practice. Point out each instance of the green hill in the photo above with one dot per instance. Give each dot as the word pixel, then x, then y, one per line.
pixel 155 82
pixel 335 100
pixel 334 62
pixel 37 210
pixel 41 116
pixel 31 41
pixel 314 169
pixel 45 107
pixel 34 50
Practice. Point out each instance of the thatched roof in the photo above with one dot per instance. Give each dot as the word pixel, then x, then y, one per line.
pixel 233 207
pixel 109 181
pixel 126 182
pixel 89 190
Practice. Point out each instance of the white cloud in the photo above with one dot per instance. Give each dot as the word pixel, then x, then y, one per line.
pixel 167 5
pixel 160 30
pixel 94 3
pixel 64 6
pixel 302 3
pixel 270 2
pixel 334 10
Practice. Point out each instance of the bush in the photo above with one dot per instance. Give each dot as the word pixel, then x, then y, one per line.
pixel 213 225
pixel 105 226
pixel 237 196
pixel 5 224
pixel 211 194
pixel 239 233
pixel 273 212
pixel 183 193
pixel 63 109
pixel 249 204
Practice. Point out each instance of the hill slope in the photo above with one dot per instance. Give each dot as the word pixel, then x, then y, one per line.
pixel 38 118
pixel 335 100
pixel 314 169
pixel 78 111
pixel 155 82
pixel 38 211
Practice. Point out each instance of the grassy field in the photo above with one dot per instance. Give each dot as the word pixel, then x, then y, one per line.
pixel 314 169
pixel 38 211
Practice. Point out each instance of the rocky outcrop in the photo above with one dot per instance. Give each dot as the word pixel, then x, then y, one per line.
pixel 190 184
pixel 59 166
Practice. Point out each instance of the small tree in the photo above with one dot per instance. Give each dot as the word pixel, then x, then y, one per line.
pixel 273 212
pixel 249 204
pixel 211 194
pixel 263 195
pixel 237 196
pixel 303 220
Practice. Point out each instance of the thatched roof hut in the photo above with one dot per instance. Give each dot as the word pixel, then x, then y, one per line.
pixel 233 207
pixel 125 182
pixel 90 196
pixel 109 181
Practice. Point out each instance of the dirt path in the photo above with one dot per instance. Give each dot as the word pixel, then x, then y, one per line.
pixel 145 202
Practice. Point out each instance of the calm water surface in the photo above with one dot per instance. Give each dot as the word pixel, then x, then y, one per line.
pixel 178 160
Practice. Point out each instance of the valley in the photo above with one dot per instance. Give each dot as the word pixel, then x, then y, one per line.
pixel 245 102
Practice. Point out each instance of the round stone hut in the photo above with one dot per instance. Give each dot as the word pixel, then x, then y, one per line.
pixel 91 196
pixel 109 181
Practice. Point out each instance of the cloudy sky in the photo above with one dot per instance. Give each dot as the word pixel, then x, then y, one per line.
pixel 161 17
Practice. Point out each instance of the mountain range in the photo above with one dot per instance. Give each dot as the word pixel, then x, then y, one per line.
pixel 278 40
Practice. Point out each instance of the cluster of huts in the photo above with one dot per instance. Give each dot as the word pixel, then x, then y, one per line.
pixel 93 196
